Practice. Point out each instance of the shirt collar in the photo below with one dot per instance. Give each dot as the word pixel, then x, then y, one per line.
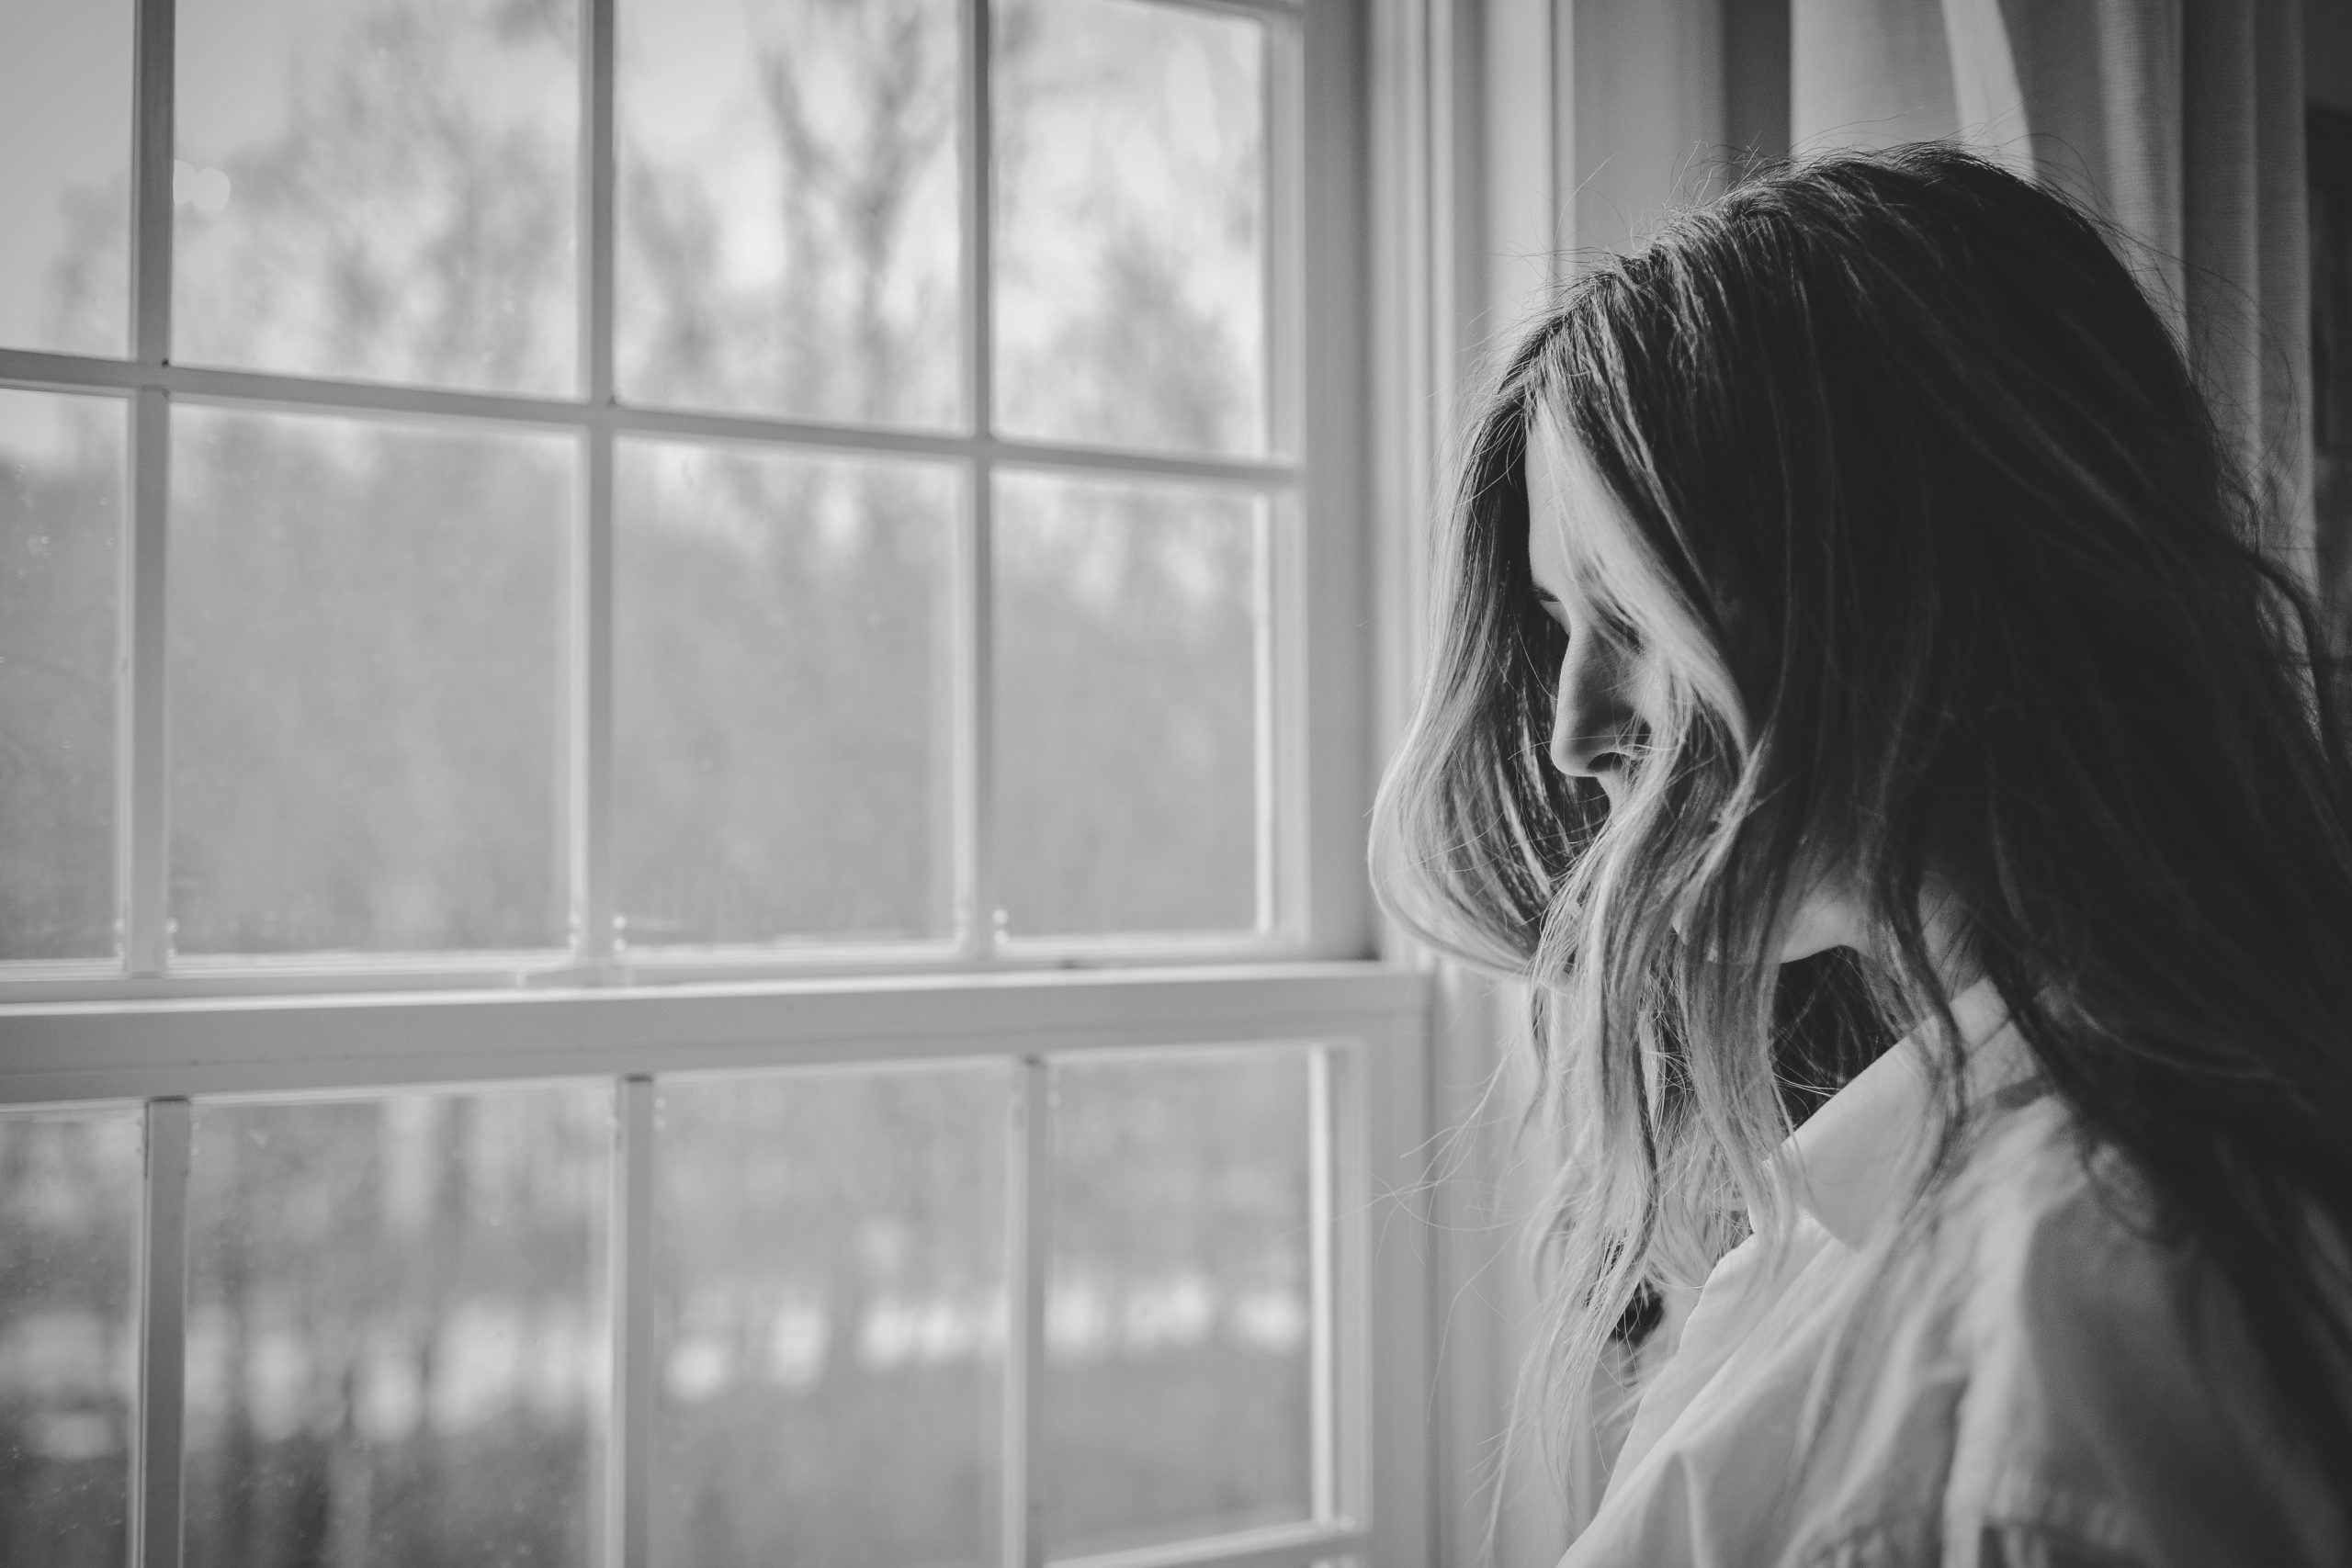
pixel 1863 1151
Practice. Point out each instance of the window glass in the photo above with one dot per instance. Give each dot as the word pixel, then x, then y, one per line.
pixel 398 1349
pixel 69 1332
pixel 379 190
pixel 61 518
pixel 385 630
pixel 65 177
pixel 790 235
pixel 831 1318
pixel 784 766
pixel 364 634
pixel 1178 1329
pixel 1131 224
pixel 1127 664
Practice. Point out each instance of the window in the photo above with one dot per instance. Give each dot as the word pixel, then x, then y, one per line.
pixel 682 767
pixel 765 486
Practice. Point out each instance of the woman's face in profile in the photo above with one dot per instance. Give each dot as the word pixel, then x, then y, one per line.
pixel 1604 703
pixel 1609 696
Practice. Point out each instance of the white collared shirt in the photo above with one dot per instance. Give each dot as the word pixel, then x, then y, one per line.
pixel 2022 1389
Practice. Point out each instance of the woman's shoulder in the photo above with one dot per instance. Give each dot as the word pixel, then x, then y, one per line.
pixel 2113 1399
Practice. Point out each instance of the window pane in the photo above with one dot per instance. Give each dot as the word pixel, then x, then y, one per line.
pixel 1131 202
pixel 65 175
pixel 60 515
pixel 1126 675
pixel 1178 1318
pixel 831 1318
pixel 398 1351
pixel 790 230
pixel 783 765
pixel 364 651
pixel 69 1333
pixel 378 188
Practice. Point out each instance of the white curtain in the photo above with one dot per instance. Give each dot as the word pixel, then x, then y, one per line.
pixel 2182 120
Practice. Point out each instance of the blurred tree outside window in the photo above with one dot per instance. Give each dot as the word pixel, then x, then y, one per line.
pixel 369 751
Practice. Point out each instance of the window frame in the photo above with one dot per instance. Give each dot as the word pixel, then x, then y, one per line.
pixel 1313 697
pixel 146 1031
pixel 1367 1160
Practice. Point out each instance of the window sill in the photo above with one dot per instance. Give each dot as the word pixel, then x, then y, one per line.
pixel 144 1047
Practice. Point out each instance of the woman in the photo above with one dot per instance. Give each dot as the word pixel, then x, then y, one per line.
pixel 1855 628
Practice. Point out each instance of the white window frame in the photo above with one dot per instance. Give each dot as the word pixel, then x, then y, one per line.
pixel 163 1033
pixel 1366 1144
pixel 1313 688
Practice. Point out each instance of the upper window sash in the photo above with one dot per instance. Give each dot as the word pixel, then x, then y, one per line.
pixel 1308 897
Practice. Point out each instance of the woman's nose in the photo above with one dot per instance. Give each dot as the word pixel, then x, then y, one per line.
pixel 1592 713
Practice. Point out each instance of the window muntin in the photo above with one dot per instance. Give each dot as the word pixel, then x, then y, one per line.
pixel 323 282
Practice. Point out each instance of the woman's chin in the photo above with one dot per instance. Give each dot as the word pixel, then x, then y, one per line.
pixel 1822 924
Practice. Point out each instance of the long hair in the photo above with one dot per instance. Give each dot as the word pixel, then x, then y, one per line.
pixel 1956 589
